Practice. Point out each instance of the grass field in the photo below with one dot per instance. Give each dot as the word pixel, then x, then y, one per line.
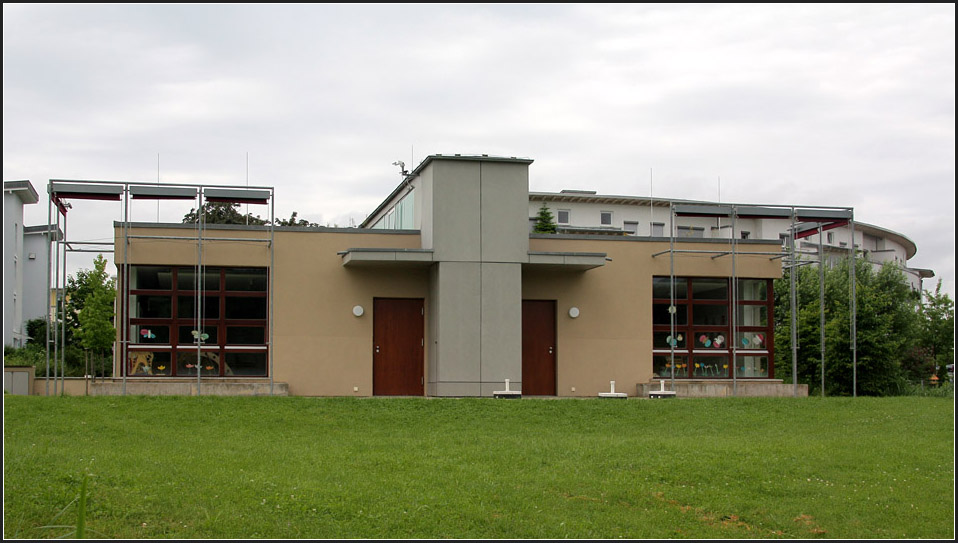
pixel 187 467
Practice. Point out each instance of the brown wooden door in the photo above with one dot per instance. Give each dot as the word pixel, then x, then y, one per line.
pixel 538 348
pixel 398 347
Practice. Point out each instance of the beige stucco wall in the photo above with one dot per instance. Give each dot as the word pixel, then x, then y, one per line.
pixel 611 340
pixel 321 349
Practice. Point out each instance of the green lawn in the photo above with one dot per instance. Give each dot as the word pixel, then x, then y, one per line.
pixel 181 467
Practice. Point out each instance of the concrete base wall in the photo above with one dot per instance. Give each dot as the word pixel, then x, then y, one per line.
pixel 715 388
pixel 188 388
pixel 160 387
pixel 70 386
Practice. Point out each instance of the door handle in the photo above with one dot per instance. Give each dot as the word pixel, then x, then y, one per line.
pixel 550 350
pixel 377 348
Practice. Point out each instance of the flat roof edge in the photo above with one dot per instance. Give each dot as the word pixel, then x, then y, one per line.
pixel 23 189
pixel 257 227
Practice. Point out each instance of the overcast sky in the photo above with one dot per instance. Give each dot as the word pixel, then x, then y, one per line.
pixel 830 105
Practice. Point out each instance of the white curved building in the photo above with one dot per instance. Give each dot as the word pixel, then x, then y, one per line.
pixel 586 212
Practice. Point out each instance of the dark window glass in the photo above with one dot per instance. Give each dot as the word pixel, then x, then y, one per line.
pixel 151 307
pixel 186 279
pixel 661 315
pixel 245 335
pixel 661 287
pixel 186 306
pixel 710 315
pixel 151 278
pixel 246 279
pixel 246 363
pixel 245 307
pixel 709 289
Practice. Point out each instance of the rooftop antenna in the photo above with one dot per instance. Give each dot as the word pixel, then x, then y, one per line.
pixel 718 220
pixel 402 167
pixel 247 186
pixel 157 182
pixel 651 211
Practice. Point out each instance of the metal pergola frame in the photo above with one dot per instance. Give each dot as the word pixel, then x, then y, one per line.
pixel 60 190
pixel 805 222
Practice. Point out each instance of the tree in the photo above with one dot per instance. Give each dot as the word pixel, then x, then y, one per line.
pixel 938 331
pixel 293 221
pixel 223 213
pixel 91 297
pixel 228 213
pixel 545 224
pixel 887 324
pixel 89 312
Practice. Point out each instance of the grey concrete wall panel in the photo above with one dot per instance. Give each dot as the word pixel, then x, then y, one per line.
pixel 459 321
pixel 501 334
pixel 455 210
pixel 432 324
pixel 424 205
pixel 36 298
pixel 504 209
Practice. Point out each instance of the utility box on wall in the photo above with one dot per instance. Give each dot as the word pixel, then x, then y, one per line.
pixel 18 380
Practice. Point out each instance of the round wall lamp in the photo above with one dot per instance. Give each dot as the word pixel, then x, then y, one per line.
pixel 574 312
pixel 358 311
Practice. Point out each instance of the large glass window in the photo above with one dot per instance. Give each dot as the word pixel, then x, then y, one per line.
pixel 698 328
pixel 402 216
pixel 164 333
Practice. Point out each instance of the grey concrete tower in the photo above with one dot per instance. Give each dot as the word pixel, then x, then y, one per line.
pixel 474 217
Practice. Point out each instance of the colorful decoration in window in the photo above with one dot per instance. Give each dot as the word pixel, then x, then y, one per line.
pixel 202 337
pixel 141 362
pixel 146 333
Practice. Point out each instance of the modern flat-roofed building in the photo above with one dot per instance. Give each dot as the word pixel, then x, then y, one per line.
pixel 444 291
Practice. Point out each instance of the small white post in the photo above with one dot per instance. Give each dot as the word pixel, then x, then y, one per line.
pixel 507 385
pixel 612 387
